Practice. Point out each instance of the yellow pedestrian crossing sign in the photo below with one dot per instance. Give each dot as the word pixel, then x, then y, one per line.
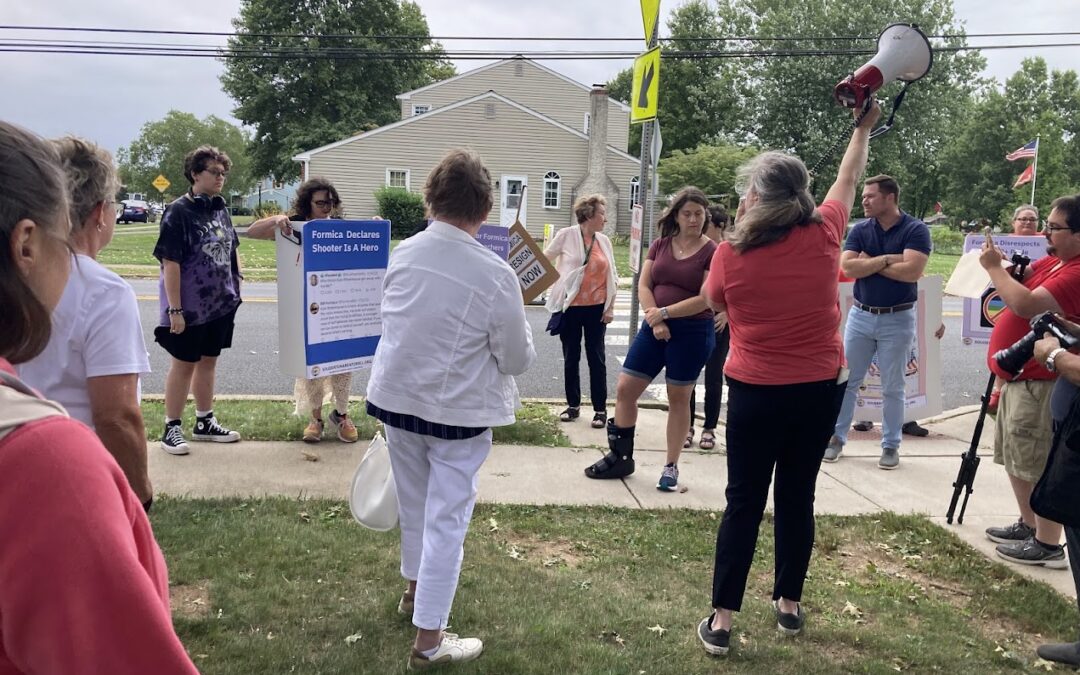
pixel 161 183
pixel 650 16
pixel 646 87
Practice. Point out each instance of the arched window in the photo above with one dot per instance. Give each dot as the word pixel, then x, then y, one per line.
pixel 551 190
pixel 635 190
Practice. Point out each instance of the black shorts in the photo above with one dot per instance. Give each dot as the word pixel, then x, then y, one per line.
pixel 195 342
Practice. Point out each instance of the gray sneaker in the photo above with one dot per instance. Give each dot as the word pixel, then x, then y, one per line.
pixel 890 459
pixel 833 450
pixel 1011 533
pixel 1031 552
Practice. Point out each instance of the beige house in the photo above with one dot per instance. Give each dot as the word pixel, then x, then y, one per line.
pixel 533 127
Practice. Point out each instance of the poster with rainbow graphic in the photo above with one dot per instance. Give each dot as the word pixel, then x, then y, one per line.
pixel 980 313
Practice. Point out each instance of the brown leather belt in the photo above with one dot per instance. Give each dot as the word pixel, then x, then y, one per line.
pixel 885 310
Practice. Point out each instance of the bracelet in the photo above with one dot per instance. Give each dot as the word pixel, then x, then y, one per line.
pixel 174 311
pixel 664 313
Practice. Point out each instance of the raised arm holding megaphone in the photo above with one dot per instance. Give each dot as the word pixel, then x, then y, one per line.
pixel 903 54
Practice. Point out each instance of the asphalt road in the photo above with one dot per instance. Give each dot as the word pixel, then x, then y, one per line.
pixel 251 366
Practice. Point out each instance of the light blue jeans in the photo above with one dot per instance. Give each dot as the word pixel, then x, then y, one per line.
pixel 890 336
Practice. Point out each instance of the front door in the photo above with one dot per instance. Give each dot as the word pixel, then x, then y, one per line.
pixel 510 190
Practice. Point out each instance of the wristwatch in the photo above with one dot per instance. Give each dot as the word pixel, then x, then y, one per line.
pixel 664 313
pixel 1050 359
pixel 174 311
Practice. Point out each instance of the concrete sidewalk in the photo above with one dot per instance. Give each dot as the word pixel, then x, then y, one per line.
pixel 539 475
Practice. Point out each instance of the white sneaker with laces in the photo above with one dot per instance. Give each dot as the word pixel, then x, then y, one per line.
pixel 452 649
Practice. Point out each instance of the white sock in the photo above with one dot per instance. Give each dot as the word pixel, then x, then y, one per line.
pixel 203 413
pixel 428 653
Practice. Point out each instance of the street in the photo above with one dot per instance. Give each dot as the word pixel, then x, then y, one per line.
pixel 251 367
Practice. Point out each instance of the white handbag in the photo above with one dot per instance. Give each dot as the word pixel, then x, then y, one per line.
pixel 373 495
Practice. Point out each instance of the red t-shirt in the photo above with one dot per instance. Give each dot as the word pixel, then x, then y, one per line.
pixel 1064 284
pixel 83 585
pixel 783 303
pixel 676 280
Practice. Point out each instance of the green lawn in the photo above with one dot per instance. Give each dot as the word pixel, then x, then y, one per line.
pixel 943 264
pixel 281 586
pixel 137 248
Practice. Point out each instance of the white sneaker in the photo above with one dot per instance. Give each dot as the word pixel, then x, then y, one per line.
pixel 452 649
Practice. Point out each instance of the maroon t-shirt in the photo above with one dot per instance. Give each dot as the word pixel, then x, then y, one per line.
pixel 676 280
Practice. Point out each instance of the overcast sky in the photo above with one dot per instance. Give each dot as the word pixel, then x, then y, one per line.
pixel 109 98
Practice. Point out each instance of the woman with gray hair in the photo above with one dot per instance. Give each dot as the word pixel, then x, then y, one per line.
pixel 454 334
pixel 776 277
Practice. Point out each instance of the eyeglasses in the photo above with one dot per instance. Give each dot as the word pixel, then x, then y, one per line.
pixel 325 203
pixel 1053 228
pixel 219 174
pixel 1027 220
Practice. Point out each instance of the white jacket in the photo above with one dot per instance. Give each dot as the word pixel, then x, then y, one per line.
pixel 569 249
pixel 454 332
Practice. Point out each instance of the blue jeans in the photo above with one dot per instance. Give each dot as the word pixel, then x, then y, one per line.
pixel 890 336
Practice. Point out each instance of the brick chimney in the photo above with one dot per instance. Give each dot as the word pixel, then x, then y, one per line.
pixel 596 178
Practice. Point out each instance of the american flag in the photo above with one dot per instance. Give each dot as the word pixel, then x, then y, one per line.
pixel 1026 152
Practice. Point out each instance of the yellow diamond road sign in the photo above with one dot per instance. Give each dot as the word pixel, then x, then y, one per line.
pixel 646 87
pixel 161 183
pixel 650 16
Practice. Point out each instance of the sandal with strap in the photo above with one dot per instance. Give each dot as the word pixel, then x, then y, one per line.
pixel 599 420
pixel 570 414
pixel 611 466
pixel 689 442
pixel 708 440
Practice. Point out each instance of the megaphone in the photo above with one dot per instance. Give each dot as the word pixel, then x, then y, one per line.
pixel 903 53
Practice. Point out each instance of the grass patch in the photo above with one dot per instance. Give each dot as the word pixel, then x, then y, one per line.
pixel 137 248
pixel 943 264
pixel 280 585
pixel 274 421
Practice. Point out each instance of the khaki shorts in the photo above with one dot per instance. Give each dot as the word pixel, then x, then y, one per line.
pixel 1023 432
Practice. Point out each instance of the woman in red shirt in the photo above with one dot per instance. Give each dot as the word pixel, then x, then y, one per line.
pixel 776 277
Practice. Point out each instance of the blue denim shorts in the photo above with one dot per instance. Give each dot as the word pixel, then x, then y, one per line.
pixel 683 356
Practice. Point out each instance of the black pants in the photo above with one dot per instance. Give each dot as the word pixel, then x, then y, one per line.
pixel 1072 540
pixel 781 426
pixel 714 378
pixel 588 321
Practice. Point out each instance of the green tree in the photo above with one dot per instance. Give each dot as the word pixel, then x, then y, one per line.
pixel 709 167
pixel 162 146
pixel 789 99
pixel 306 97
pixel 699 99
pixel 1033 103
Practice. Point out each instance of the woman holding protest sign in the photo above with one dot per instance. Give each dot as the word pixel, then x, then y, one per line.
pixel 583 303
pixel 316 199
pixel 676 336
pixel 776 277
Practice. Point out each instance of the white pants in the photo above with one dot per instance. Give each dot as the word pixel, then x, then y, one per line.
pixel 436 489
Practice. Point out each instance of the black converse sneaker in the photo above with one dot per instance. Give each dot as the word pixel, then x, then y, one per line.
pixel 172 441
pixel 208 429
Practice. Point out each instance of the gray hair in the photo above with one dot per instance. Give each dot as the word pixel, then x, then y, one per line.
pixel 782 185
pixel 91 176
pixel 1025 207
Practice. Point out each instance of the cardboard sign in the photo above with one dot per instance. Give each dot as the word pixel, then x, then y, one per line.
pixel 533 269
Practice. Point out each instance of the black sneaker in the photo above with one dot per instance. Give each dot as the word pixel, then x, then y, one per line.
pixel 173 441
pixel 913 429
pixel 208 429
pixel 715 642
pixel 1064 652
pixel 1031 552
pixel 1011 533
pixel 788 624
pixel 865 425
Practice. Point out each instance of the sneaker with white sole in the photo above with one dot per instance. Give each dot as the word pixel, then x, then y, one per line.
pixel 786 623
pixel 173 441
pixel 715 642
pixel 208 429
pixel 833 450
pixel 452 649
pixel 889 460
pixel 1031 552
pixel 669 478
pixel 1011 533
pixel 346 430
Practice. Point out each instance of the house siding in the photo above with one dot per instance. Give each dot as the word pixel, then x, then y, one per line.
pixel 513 142
pixel 535 88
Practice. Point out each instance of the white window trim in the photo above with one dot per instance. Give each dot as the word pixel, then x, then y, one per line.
pixel 426 108
pixel 408 177
pixel 635 182
pixel 586 123
pixel 558 190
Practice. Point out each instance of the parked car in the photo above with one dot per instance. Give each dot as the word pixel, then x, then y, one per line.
pixel 133 210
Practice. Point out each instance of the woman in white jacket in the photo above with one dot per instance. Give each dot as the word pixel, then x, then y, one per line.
pixel 454 335
pixel 585 294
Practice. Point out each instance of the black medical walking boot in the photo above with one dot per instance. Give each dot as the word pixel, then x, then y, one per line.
pixel 619 462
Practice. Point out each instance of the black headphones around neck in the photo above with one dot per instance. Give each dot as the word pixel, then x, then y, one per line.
pixel 204 203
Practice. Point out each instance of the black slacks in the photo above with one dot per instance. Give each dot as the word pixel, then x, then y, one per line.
pixel 577 322
pixel 714 379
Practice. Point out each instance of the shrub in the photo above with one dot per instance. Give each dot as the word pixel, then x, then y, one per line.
pixel 267 209
pixel 947 240
pixel 404 210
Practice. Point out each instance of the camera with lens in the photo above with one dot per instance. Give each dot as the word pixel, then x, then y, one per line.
pixel 1012 358
pixel 1020 263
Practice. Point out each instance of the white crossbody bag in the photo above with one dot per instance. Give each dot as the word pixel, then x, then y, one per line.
pixel 373 495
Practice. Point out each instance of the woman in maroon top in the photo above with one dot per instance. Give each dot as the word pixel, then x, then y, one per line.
pixel 677 336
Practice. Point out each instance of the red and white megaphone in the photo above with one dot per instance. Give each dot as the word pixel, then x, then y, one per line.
pixel 903 54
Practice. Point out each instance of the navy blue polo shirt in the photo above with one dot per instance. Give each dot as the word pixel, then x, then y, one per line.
pixel 868 237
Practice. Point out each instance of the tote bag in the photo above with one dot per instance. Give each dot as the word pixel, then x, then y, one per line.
pixel 373 496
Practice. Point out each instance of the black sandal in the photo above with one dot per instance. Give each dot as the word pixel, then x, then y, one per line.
pixel 610 466
pixel 570 414
pixel 599 420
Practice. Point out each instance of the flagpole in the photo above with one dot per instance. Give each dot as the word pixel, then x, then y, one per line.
pixel 1035 170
